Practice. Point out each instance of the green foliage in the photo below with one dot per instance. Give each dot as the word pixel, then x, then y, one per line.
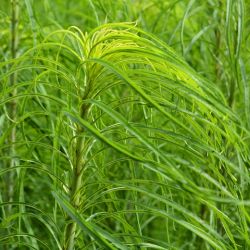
pixel 124 125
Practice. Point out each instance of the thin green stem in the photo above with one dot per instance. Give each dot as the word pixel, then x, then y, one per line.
pixel 76 184
pixel 13 104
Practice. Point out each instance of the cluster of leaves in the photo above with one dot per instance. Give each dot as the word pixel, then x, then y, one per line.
pixel 131 135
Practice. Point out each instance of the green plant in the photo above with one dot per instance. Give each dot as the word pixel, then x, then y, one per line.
pixel 115 141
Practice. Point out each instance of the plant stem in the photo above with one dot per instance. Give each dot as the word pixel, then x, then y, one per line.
pixel 75 195
pixel 13 104
pixel 76 185
pixel 218 42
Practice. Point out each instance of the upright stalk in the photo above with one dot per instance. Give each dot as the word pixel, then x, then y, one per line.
pixel 13 104
pixel 218 42
pixel 76 184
